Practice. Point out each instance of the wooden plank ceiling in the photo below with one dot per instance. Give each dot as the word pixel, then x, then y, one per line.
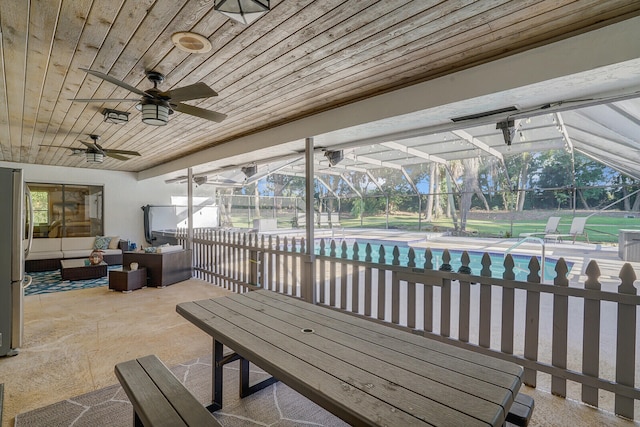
pixel 300 58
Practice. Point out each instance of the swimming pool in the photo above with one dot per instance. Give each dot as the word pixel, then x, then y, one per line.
pixel 521 262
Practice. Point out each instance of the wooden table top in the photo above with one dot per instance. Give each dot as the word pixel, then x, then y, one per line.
pixel 364 372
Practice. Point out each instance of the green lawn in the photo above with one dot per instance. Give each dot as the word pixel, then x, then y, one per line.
pixel 601 228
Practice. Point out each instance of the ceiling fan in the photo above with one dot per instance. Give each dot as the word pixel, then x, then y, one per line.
pixel 95 153
pixel 156 105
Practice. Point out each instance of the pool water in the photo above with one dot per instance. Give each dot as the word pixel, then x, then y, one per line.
pixel 521 262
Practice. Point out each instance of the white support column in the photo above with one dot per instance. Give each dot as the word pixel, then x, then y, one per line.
pixel 308 290
pixel 567 139
pixel 189 209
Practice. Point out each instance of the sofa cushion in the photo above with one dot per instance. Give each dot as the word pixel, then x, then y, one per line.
pixel 101 242
pixel 77 243
pixel 77 253
pixel 167 249
pixel 46 245
pixel 44 255
pixel 112 252
pixel 114 242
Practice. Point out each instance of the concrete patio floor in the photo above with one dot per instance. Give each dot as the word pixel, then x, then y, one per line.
pixel 73 339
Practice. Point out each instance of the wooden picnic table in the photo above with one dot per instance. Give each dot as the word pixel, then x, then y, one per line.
pixel 364 372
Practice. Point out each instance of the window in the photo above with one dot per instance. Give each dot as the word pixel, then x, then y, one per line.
pixel 40 207
pixel 67 210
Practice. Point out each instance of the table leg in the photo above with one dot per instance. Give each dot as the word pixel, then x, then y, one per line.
pixel 216 376
pixel 245 388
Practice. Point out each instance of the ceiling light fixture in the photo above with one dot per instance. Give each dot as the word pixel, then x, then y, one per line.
pixel 508 131
pixel 154 111
pixel 191 42
pixel 199 180
pixel 243 11
pixel 334 157
pixel 115 116
pixel 94 157
pixel 249 170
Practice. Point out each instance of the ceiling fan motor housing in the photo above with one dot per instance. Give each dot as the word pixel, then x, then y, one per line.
pixel 155 77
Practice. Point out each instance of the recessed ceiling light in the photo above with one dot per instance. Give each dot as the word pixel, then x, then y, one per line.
pixel 191 42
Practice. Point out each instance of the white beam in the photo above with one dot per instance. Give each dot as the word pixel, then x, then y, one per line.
pixel 476 142
pixel 346 179
pixel 411 183
pixel 369 160
pixel 375 181
pixel 413 152
pixel 321 181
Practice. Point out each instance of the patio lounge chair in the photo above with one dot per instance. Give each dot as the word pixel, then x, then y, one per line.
pixel 577 229
pixel 550 228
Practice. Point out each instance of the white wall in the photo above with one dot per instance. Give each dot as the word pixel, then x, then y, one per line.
pixel 124 195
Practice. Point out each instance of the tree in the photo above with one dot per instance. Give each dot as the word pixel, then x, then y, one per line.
pixel 225 211
pixel 470 187
pixel 432 189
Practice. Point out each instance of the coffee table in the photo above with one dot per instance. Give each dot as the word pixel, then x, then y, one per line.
pixel 77 269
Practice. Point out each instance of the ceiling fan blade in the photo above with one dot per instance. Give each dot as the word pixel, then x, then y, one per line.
pixel 195 91
pixel 91 146
pixel 199 112
pixel 115 156
pixel 103 100
pixel 130 153
pixel 75 150
pixel 114 81
pixel 57 146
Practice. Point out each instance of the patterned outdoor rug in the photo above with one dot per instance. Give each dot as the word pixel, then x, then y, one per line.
pixel 46 282
pixel 276 405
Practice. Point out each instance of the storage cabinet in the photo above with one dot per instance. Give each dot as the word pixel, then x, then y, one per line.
pixel 163 269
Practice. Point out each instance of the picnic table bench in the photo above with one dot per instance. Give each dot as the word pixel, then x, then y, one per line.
pixel 158 398
pixel 364 372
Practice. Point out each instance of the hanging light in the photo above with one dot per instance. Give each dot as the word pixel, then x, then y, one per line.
pixel 115 116
pixel 94 157
pixel 154 111
pixel 243 11
pixel 334 157
pixel 249 170
pixel 508 130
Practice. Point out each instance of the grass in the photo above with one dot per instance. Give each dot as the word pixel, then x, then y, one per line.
pixel 601 228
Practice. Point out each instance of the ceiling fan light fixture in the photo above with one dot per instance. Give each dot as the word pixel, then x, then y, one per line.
pixel 155 113
pixel 334 157
pixel 243 11
pixel 508 130
pixel 94 157
pixel 115 116
pixel 191 42
pixel 249 170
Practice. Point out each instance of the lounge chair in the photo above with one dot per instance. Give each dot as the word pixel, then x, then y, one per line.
pixel 550 228
pixel 577 229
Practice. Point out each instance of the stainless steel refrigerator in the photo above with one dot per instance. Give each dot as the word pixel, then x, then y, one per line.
pixel 15 213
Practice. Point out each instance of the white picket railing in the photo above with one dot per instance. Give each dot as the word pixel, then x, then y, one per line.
pixel 502 317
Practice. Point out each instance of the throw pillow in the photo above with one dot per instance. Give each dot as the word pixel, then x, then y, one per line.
pixel 101 242
pixel 113 244
pixel 150 250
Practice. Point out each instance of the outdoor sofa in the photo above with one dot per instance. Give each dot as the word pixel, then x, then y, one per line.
pixel 45 254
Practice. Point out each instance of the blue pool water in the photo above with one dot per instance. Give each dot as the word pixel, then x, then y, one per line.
pixel 521 262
